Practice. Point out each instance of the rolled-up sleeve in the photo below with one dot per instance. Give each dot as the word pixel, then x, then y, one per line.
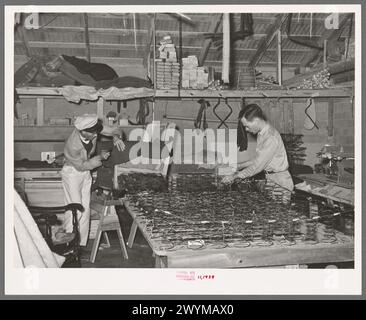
pixel 111 131
pixel 262 158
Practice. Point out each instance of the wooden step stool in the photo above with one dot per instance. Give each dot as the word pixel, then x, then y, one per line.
pixel 108 221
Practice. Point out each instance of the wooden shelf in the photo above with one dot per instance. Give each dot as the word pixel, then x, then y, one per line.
pixel 300 93
pixel 53 133
pixel 39 91
pixel 42 133
pixel 274 93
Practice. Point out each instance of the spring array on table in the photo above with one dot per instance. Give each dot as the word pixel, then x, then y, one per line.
pixel 237 218
pixel 134 182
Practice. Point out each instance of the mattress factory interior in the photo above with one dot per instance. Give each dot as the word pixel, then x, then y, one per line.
pixel 200 140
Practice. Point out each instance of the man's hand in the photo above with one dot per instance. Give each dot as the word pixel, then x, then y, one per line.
pixel 228 179
pixel 104 154
pixel 117 141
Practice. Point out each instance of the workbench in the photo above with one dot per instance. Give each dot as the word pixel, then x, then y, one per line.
pixel 42 185
pixel 238 255
pixel 323 186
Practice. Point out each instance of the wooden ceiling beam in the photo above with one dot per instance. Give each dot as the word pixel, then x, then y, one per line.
pixel 126 46
pixel 329 35
pixel 24 41
pixel 207 43
pixel 120 32
pixel 266 41
pixel 334 68
pixel 120 61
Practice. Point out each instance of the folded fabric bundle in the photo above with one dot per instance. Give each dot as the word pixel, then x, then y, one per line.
pixel 123 82
pixel 77 93
pixel 98 75
pixel 97 71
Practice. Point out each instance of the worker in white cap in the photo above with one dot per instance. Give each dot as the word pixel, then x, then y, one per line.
pixel 79 160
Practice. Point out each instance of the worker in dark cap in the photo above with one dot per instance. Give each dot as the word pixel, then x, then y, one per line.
pixel 270 153
pixel 79 160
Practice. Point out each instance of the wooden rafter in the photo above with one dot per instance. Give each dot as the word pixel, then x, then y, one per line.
pixel 25 41
pixel 130 46
pixel 328 35
pixel 335 68
pixel 138 60
pixel 129 31
pixel 207 43
pixel 147 50
pixel 266 41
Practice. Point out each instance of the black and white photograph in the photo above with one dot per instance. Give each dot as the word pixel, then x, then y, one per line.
pixel 177 149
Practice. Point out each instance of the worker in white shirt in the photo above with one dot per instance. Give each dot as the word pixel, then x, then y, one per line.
pixel 79 160
pixel 270 153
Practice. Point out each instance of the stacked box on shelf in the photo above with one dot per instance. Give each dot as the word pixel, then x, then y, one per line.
pixel 167 75
pixel 202 78
pixel 167 67
pixel 193 76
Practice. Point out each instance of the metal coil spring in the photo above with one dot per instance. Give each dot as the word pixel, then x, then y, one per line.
pixel 223 219
pixel 268 230
pixel 348 224
pixel 310 235
pixel 294 233
pixel 313 208
pixel 329 235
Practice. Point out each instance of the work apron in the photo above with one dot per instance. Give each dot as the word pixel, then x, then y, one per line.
pixel 77 185
pixel 280 185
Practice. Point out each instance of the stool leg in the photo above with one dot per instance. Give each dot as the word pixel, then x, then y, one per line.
pixel 106 239
pixel 94 251
pixel 122 243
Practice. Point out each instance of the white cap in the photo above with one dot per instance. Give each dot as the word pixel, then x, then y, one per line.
pixel 85 121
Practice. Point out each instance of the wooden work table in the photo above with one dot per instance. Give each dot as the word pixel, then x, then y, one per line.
pixel 240 257
pixel 42 185
pixel 322 186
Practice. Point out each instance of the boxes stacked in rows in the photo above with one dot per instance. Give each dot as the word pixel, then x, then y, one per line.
pixel 167 67
pixel 193 76
pixel 167 75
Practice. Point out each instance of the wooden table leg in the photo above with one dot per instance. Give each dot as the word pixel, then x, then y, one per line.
pixel 122 243
pixel 161 262
pixel 131 237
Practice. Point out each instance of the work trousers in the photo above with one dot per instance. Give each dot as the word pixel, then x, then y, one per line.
pixel 77 185
pixel 280 185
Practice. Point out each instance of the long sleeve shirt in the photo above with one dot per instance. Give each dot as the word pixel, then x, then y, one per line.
pixel 270 154
pixel 77 156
